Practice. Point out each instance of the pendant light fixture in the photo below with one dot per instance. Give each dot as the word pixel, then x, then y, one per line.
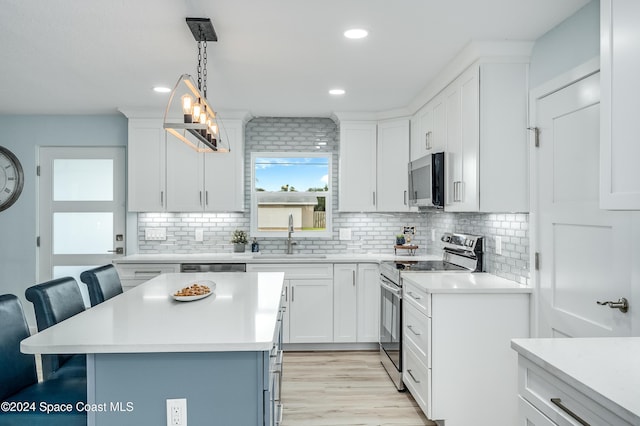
pixel 188 115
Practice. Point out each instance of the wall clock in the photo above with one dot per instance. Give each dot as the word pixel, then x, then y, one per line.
pixel 11 178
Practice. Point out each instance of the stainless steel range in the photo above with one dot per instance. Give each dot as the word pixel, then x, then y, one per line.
pixel 461 253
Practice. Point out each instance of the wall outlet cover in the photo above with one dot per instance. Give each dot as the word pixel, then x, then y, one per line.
pixel 177 412
pixel 345 233
pixel 200 234
pixel 155 234
pixel 498 245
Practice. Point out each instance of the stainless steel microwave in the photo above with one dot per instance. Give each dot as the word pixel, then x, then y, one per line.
pixel 426 181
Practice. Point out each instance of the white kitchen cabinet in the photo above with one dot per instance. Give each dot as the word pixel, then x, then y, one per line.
pixel 146 190
pixel 392 166
pixel 368 303
pixel 619 105
pixel 133 274
pixel 456 356
pixel 486 160
pixel 356 303
pixel 210 182
pixel 428 135
pixel 357 179
pixel 308 300
pixel 373 166
pixel 546 396
pixel 345 295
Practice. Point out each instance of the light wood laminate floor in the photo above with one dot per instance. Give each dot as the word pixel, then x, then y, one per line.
pixel 343 388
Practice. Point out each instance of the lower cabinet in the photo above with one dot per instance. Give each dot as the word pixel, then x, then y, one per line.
pixel 457 363
pixel 133 274
pixel 356 303
pixel 545 399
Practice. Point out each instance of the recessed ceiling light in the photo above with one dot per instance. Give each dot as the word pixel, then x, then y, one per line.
pixel 337 92
pixel 356 33
pixel 161 89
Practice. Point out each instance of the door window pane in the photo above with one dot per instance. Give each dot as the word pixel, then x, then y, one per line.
pixel 83 180
pixel 82 233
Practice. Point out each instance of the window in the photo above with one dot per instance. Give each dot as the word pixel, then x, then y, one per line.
pixel 291 184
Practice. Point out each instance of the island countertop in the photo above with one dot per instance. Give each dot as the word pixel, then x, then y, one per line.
pixel 240 315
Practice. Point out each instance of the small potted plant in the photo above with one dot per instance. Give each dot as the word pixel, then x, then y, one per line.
pixel 400 239
pixel 239 239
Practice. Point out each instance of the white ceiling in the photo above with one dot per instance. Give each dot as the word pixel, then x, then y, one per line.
pixel 273 57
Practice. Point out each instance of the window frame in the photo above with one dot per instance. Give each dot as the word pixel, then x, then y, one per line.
pixel 328 232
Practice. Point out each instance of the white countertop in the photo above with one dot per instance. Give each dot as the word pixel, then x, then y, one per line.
pixel 463 282
pixel 249 257
pixel 241 315
pixel 605 369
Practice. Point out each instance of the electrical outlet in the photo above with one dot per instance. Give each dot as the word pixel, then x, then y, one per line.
pixel 200 234
pixel 345 234
pixel 498 245
pixel 177 412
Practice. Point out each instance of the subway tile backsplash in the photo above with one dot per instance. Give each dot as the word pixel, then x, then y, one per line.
pixel 370 232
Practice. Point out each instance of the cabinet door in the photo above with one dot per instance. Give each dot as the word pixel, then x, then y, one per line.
pixel 146 166
pixel 184 177
pixel 619 105
pixel 422 132
pixel 224 172
pixel 357 180
pixel 311 311
pixel 438 139
pixel 344 302
pixel 368 303
pixel 285 312
pixel 392 166
pixel 463 143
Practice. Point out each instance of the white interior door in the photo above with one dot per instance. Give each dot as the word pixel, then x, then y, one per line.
pixel 81 209
pixel 584 251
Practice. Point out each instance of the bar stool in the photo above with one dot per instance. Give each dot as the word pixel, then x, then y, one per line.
pixel 19 381
pixel 55 301
pixel 102 282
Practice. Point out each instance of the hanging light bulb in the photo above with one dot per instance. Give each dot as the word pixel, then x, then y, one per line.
pixel 187 108
pixel 197 111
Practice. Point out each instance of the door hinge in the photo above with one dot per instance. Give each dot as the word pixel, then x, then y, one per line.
pixel 38 241
pixel 536 131
pixel 37 170
pixel 536 261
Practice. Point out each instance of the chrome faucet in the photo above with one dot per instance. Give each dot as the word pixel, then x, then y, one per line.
pixel 290 242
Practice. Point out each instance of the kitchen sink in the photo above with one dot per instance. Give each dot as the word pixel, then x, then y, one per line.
pixel 284 256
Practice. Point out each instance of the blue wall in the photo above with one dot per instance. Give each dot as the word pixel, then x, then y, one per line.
pixel 571 43
pixel 23 135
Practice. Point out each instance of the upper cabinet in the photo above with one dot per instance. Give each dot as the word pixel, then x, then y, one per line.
pixel 428 129
pixel 619 105
pixel 146 166
pixel 373 166
pixel 486 155
pixel 167 175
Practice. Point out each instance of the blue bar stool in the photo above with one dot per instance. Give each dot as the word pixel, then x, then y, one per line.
pixel 19 381
pixel 102 282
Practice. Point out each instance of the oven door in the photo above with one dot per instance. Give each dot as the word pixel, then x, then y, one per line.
pixel 391 321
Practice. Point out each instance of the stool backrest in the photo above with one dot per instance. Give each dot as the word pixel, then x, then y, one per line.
pixel 17 370
pixel 55 301
pixel 102 282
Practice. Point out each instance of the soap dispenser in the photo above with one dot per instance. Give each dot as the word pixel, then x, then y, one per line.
pixel 255 247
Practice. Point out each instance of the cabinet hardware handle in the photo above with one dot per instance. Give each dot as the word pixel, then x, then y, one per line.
pixel 292 294
pixel 353 277
pixel 558 402
pixel 415 296
pixel 374 198
pixel 413 377
pixel 405 197
pixel 622 304
pixel 162 198
pixel 206 197
pixel 200 197
pixel 286 294
pixel 410 327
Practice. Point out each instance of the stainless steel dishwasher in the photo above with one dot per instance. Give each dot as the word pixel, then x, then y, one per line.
pixel 213 267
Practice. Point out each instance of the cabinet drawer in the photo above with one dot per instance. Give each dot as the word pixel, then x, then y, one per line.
pixel 296 271
pixel 546 392
pixel 417 330
pixel 417 296
pixel 133 274
pixel 417 378
pixel 528 415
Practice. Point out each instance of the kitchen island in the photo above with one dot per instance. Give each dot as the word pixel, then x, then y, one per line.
pixel 220 352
